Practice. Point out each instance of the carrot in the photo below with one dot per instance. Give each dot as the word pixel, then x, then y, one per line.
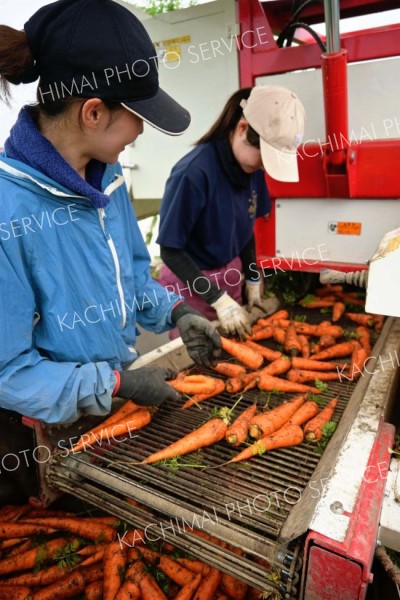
pixel 15 592
pixel 229 369
pixel 72 585
pixel 323 303
pixel 43 577
pixel 333 330
pixel 302 376
pixel 277 367
pixel 326 340
pixel 139 574
pixel 108 520
pixel 209 585
pixel 353 300
pixel 358 359
pixel 137 420
pixel 221 597
pixel 338 310
pixel 219 386
pixel 378 322
pixel 18 549
pixel 237 432
pixel 141 553
pixel 175 571
pixel 328 289
pixel 128 591
pixel 262 334
pixel 313 429
pixel 301 328
pixel 266 353
pixel 233 587
pixel 306 412
pixel 189 589
pixel 280 314
pixel 93 558
pixel 242 383
pixel 11 542
pixel 94 591
pixel 209 433
pixel 253 360
pixel 269 383
pixel 27 560
pixel 366 320
pixel 272 420
pixel 364 339
pixel 279 335
pixel 338 351
pixel 193 384
pixel 12 513
pixel 196 566
pixel 305 346
pixel 292 344
pixel 126 409
pixel 91 531
pixel 113 567
pixel 314 365
pixel 13 530
pixel 290 435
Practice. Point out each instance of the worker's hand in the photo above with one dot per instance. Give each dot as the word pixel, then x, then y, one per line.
pixel 201 339
pixel 232 317
pixel 253 295
pixel 147 386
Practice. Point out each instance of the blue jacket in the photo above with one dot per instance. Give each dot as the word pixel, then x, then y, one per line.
pixel 74 281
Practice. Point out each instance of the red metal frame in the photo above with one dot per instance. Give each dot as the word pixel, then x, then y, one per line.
pixel 343 569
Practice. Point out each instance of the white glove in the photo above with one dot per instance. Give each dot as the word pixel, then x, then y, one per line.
pixel 232 317
pixel 253 295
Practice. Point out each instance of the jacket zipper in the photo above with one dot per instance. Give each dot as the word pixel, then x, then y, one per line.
pixel 113 250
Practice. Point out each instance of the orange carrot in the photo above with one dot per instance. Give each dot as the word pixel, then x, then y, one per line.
pixel 302 376
pixel 277 367
pixel 27 560
pixel 128 591
pixel 139 574
pixel 317 303
pixel 364 339
pixel 354 300
pixel 272 420
pixel 292 344
pixel 314 365
pixel 211 432
pixel 196 566
pixel 193 384
pixel 113 567
pixel 326 340
pixel 233 587
pixel 43 577
pixel 72 585
pixel 209 585
pixel 15 592
pixel 338 351
pixel 280 314
pixel 333 330
pixel 306 412
pixel 247 356
pixel 219 386
pixel 289 435
pixel 313 429
pixel 18 549
pixel 189 589
pixel 221 597
pixel 126 409
pixel 358 359
pixel 94 591
pixel 378 322
pixel 266 353
pixel 301 328
pixel 237 432
pixel 13 530
pixel 229 369
pixel 93 558
pixel 175 571
pixel 338 310
pixel 366 320
pixel 269 383
pixel 91 531
pixel 305 346
pixel 242 383
pixel 141 553
pixel 262 334
pixel 137 420
pixel 89 550
pixel 328 289
pixel 279 335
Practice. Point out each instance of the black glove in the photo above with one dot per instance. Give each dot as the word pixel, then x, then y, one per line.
pixel 147 386
pixel 202 341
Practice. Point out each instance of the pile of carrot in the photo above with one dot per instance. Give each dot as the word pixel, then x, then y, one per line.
pixel 95 565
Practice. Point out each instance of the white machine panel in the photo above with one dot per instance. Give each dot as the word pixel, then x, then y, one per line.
pixel 335 230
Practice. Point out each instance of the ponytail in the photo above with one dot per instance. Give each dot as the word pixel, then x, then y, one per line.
pixel 16 60
pixel 228 119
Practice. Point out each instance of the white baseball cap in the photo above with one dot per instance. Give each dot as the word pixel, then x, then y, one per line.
pixel 278 116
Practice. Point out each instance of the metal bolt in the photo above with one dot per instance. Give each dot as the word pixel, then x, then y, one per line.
pixel 278 251
pixel 278 206
pixel 337 508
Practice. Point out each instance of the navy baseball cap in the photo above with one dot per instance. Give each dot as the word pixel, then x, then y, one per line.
pixel 99 49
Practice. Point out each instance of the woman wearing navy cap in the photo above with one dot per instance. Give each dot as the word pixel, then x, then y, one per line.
pixel 213 197
pixel 74 270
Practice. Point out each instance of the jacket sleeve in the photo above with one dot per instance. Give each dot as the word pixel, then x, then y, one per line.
pixel 31 384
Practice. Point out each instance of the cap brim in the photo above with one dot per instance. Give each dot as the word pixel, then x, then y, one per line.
pixel 279 164
pixel 162 112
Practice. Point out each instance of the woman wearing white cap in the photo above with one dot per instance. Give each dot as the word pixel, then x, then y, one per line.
pixel 74 270
pixel 213 197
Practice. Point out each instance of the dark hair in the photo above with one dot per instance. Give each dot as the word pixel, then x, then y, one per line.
pixel 17 66
pixel 229 118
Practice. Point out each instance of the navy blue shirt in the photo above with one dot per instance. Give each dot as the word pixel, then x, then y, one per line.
pixel 203 213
